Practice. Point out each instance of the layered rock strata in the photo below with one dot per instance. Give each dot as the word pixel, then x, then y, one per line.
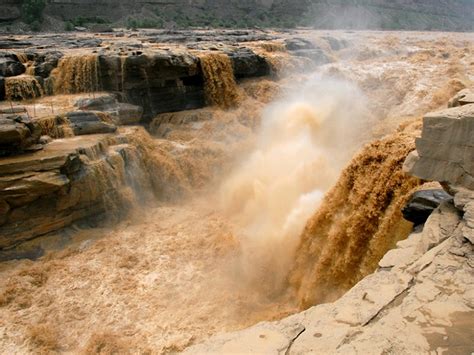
pixel 72 179
pixel 445 150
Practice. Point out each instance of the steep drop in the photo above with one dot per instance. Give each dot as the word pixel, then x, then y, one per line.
pixel 76 74
pixel 22 87
pixel 358 222
pixel 303 142
pixel 220 86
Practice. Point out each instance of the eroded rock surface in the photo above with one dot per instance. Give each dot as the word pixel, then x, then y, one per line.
pixel 423 203
pixel 420 300
pixel 70 180
pixel 445 151
pixel 18 134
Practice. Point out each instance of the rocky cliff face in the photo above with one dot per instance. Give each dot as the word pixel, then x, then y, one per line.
pixel 445 150
pixel 94 176
pixel 401 14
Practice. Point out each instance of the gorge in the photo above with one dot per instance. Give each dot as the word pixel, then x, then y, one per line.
pixel 235 191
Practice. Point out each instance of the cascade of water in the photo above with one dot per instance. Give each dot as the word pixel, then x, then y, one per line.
pixel 358 222
pixel 220 86
pixel 76 74
pixel 22 87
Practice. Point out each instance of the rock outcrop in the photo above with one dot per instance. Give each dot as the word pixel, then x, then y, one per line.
pixel 18 134
pixel 423 293
pixel 156 80
pixel 464 97
pixel 89 177
pixel 121 113
pixel 445 150
pixel 423 203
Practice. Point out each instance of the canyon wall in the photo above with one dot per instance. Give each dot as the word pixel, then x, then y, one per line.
pixel 362 14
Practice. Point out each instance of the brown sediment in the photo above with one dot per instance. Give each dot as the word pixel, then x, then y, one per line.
pixel 76 74
pixel 357 223
pixel 220 86
pixel 22 87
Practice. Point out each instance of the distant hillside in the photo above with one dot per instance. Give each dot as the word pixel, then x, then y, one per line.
pixel 448 15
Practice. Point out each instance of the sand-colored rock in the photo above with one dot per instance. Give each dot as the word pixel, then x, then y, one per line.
pixel 421 301
pixel 464 97
pixel 445 151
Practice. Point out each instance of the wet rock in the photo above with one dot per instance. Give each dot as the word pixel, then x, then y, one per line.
pixel 248 64
pixel 71 180
pixel 45 139
pixel 336 44
pixel 423 203
pixel 10 43
pixel 464 97
pixel 10 65
pixel 19 190
pixel 17 135
pixel 317 55
pixel 126 114
pixel 294 44
pixel 2 88
pixel 45 63
pixel 89 122
pixel 163 82
pixel 101 103
pixel 14 254
pixel 121 113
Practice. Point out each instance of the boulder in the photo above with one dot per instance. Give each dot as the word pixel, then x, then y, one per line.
pixel 161 82
pixel 296 43
pixel 121 113
pixel 336 44
pixel 45 63
pixel 10 66
pixel 315 55
pixel 423 203
pixel 445 150
pixel 89 122
pixel 464 97
pixel 18 134
pixel 101 103
pixel 247 64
